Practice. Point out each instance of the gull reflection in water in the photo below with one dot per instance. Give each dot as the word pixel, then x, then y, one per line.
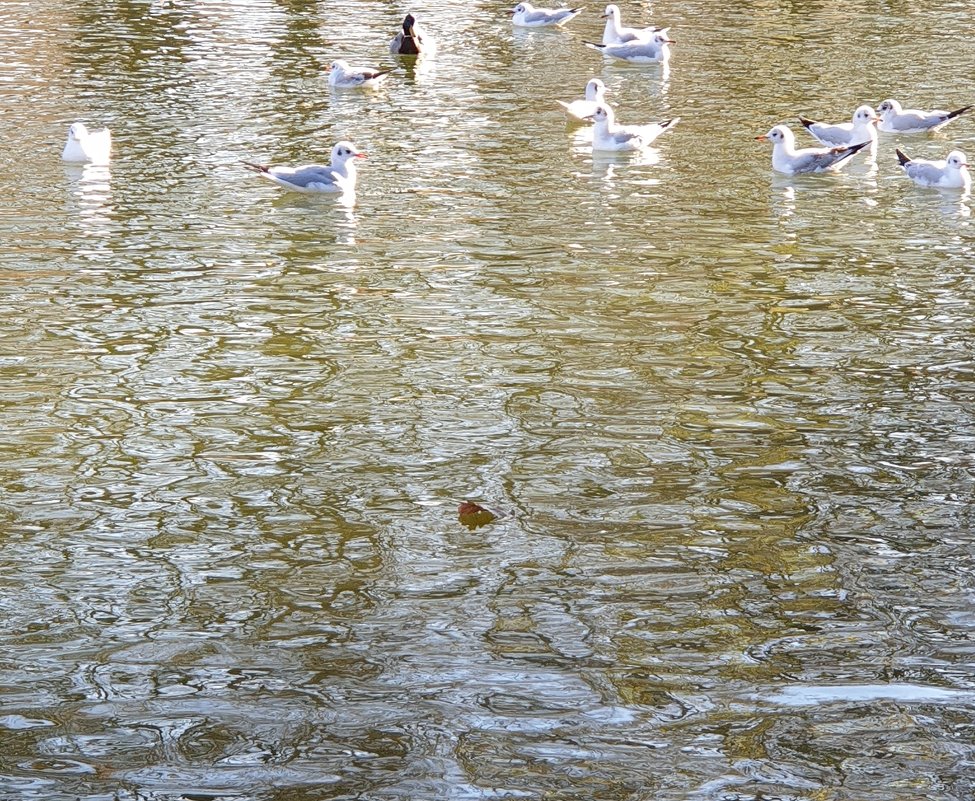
pixel 604 162
pixel 346 219
pixel 954 203
pixel 783 197
pixel 91 189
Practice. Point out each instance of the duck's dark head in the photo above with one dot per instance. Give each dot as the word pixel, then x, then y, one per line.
pixel 408 22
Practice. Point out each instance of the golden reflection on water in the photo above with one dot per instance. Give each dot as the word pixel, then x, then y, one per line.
pixel 720 418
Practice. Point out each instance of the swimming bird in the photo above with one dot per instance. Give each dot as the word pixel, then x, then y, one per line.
pixel 895 119
pixel 788 160
pixel 337 177
pixel 526 15
pixel 412 40
pixel 951 173
pixel 87 147
pixel 656 48
pixel 342 76
pixel 607 135
pixel 580 109
pixel 615 33
pixel 862 128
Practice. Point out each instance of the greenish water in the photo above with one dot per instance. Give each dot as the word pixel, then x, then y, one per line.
pixel 728 416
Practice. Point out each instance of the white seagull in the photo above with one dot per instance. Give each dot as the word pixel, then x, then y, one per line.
pixel 951 173
pixel 788 160
pixel 615 33
pixel 342 76
pixel 654 49
pixel 894 119
pixel 581 109
pixel 87 147
pixel 413 40
pixel 525 15
pixel 862 128
pixel 337 177
pixel 607 135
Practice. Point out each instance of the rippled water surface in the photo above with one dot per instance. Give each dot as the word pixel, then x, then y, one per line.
pixel 725 417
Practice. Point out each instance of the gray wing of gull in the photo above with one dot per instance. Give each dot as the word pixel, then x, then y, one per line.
pixel 540 17
pixel 622 137
pixel 639 49
pixel 306 175
pixel 910 120
pixel 923 172
pixel 634 35
pixel 818 160
pixel 832 135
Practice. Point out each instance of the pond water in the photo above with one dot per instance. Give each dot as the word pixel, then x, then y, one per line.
pixel 725 417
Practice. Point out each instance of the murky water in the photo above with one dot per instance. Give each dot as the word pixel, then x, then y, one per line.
pixel 728 416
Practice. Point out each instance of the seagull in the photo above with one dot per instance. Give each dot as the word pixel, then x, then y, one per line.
pixel 525 15
pixel 894 119
pixel 656 48
pixel 87 147
pixel 337 177
pixel 581 109
pixel 951 173
pixel 607 135
pixel 786 159
pixel 342 76
pixel 413 40
pixel 615 33
pixel 862 129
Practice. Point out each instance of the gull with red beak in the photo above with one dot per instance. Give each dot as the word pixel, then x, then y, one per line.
pixel 343 76
pixel 336 178
pixel 581 109
pixel 655 49
pixel 525 15
pixel 951 173
pixel 786 159
pixel 862 128
pixel 610 137
pixel 895 119
pixel 616 33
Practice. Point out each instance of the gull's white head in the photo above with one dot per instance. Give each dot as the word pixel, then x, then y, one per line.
pixel 957 161
pixel 779 135
pixel 660 38
pixel 889 108
pixel 602 114
pixel 77 131
pixel 612 11
pixel 595 90
pixel 865 115
pixel 338 66
pixel 522 8
pixel 343 151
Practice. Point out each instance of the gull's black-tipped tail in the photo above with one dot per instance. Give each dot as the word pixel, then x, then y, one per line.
pixel 806 122
pixel 843 152
pixel 594 45
pixel 254 167
pixel 958 111
pixel 904 160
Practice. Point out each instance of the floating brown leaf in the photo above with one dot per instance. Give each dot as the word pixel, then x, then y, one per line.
pixel 473 515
